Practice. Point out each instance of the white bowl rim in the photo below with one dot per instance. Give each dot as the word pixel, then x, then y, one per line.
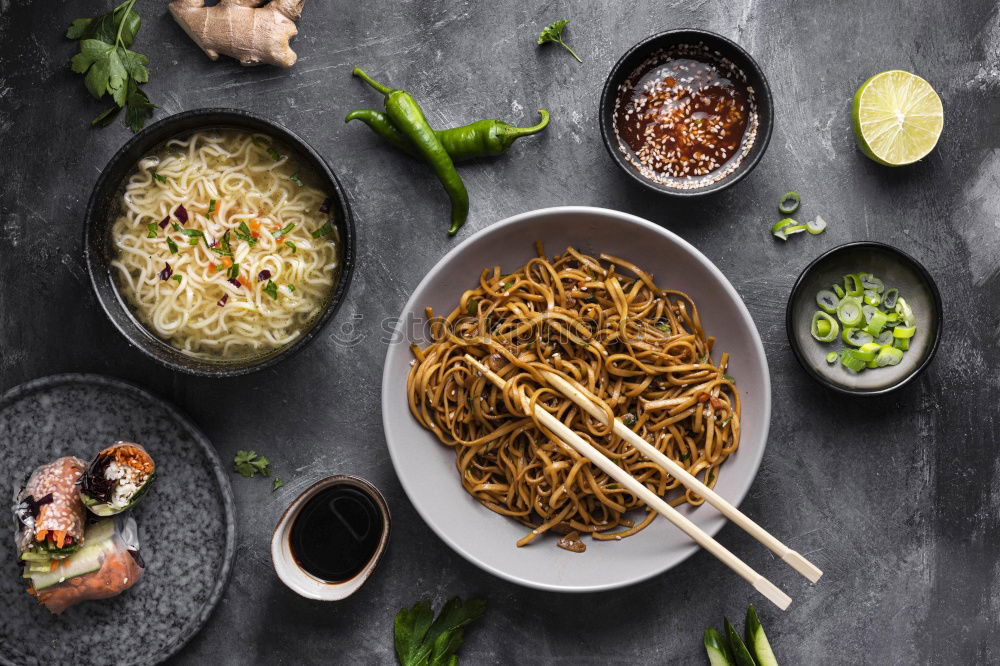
pixel 627 217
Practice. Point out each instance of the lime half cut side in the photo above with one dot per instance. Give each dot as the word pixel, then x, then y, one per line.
pixel 897 117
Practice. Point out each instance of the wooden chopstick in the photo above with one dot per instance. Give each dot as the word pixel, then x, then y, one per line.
pixel 654 501
pixel 580 396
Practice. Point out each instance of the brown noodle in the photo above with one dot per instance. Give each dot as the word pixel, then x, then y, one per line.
pixel 639 349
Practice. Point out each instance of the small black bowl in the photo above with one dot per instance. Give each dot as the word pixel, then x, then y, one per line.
pixel 719 47
pixel 897 269
pixel 99 249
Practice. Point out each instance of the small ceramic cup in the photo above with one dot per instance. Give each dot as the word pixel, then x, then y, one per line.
pixel 291 572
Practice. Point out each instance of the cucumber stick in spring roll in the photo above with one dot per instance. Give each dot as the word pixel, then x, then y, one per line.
pixel 48 514
pixel 116 478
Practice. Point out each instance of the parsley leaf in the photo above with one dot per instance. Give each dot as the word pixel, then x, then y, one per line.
pixel 277 484
pixel 152 230
pixel 553 33
pixel 421 639
pixel 271 289
pixel 177 277
pixel 109 67
pixel 243 233
pixel 172 245
pixel 248 463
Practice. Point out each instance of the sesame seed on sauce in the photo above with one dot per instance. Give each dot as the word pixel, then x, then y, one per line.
pixel 686 117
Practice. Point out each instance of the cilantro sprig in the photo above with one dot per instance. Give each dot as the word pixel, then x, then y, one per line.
pixel 423 640
pixel 553 33
pixel 109 67
pixel 250 464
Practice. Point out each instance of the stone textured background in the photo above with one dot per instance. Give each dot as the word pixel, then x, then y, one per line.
pixel 895 497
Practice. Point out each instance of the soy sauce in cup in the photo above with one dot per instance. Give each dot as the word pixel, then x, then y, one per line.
pixel 336 533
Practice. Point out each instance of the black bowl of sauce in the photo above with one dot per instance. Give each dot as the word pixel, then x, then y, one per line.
pixel 331 538
pixel 686 112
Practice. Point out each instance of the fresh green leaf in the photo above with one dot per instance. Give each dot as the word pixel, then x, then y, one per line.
pixel 287 229
pixel 248 463
pixel 106 118
pixel 295 179
pixel 292 245
pixel 271 289
pixel 78 28
pixel 422 640
pixel 138 108
pixel 277 484
pixel 243 233
pixel 233 272
pixel 151 230
pixel 135 64
pixel 553 33
pixel 159 177
pixel 325 230
pixel 172 245
pixel 177 277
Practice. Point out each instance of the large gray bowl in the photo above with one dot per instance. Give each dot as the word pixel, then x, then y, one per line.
pixel 426 468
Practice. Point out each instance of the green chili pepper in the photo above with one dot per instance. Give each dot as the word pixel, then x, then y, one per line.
pixel 408 117
pixel 486 138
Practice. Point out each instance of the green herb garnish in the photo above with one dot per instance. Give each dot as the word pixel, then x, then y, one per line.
pixel 473 306
pixel 248 463
pixel 277 484
pixel 158 176
pixel 233 272
pixel 243 233
pixel 281 232
pixel 271 289
pixel 110 67
pixel 291 287
pixel 323 231
pixel 211 207
pixel 423 640
pixel 295 179
pixel 176 277
pixel 172 245
pixel 292 245
pixel 151 233
pixel 553 33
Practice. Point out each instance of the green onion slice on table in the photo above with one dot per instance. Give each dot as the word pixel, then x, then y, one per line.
pixel 849 312
pixel 827 301
pixel 816 226
pixel 824 327
pixel 789 203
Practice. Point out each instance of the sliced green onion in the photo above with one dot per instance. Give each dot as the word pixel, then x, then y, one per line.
pixel 295 179
pixel 869 281
pixel 901 343
pixel 888 356
pixel 172 245
pixel 884 338
pixel 849 312
pixel 778 228
pixel 872 297
pixel 905 312
pixel 889 298
pixel 891 318
pixel 824 327
pixel 789 203
pixel 852 285
pixel 867 351
pixel 827 301
pixel 904 331
pixel 849 360
pixel 868 311
pixel 856 337
pixel 876 323
pixel 795 229
pixel 839 291
pixel 817 226
pixel 831 357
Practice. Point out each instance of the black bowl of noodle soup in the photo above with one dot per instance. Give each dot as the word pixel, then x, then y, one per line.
pixel 218 242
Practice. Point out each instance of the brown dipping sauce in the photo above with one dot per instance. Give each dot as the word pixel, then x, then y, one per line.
pixel 686 115
pixel 336 533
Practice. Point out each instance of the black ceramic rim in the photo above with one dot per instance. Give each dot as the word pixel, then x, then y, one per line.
pixel 138 335
pixel 225 489
pixel 924 275
pixel 609 95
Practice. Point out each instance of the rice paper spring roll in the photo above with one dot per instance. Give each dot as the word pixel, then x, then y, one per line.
pixel 48 514
pixel 116 478
pixel 105 567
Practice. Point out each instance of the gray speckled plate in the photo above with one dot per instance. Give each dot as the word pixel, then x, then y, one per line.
pixel 187 524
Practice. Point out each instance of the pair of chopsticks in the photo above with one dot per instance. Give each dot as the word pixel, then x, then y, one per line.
pixel 654 501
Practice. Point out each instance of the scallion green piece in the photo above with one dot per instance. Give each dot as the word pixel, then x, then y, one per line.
pixel 872 297
pixel 869 281
pixel 856 337
pixel 888 356
pixel 839 291
pixel 827 301
pixel 817 226
pixel 849 312
pixel 789 203
pixel 876 323
pixel 778 228
pixel 853 286
pixel 901 343
pixel 889 298
pixel 849 360
pixel 867 351
pixel 904 331
pixel 831 358
pixel 905 312
pixel 824 327
pixel 885 337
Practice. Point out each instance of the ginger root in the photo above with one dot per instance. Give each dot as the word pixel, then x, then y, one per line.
pixel 243 29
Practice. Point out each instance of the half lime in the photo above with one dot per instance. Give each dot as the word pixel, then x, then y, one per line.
pixel 897 117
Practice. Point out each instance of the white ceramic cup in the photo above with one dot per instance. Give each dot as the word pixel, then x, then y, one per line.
pixel 300 580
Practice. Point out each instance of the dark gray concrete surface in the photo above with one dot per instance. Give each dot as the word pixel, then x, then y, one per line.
pixel 895 497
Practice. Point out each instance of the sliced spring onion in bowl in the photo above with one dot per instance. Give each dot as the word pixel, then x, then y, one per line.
pixel 856 337
pixel 831 358
pixel 827 301
pixel 889 298
pixel 888 356
pixel 824 327
pixel 849 312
